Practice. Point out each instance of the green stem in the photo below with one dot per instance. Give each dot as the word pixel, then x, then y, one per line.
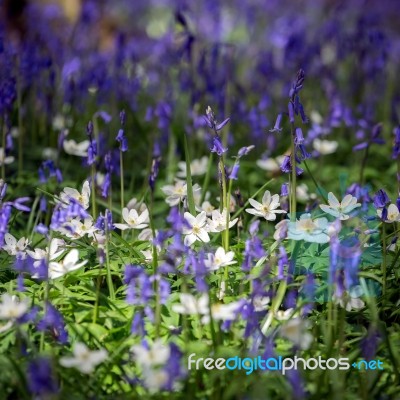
pixel 317 187
pixel 93 175
pixel 189 185
pixel 46 292
pixel 221 167
pixel 96 304
pixel 157 311
pixel 363 164
pixel 206 181
pixel 109 276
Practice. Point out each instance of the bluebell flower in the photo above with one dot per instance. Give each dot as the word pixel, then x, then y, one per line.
pixel 278 122
pixel 234 172
pixel 381 199
pixel 396 145
pixel 121 138
pixel 41 379
pixel 54 322
pixel 285 189
pixel 218 147
pixel 155 165
pixel 299 138
pixel 286 166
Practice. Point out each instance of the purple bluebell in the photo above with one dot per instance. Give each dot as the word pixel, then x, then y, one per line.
pixel 5 214
pixel 244 151
pixel 278 122
pixel 291 112
pixel 52 171
pixel 286 166
pixel 20 283
pixel 53 322
pixel 217 146
pixel 105 188
pixel 299 138
pixel 381 199
pixel 3 189
pixel 396 145
pixel 370 343
pixel 42 229
pixel 174 367
pixel 41 380
pixel 283 262
pixel 105 116
pixel 285 189
pixel 137 327
pixel 374 138
pixel 123 142
pixel 296 382
pixel 308 291
pixel 155 166
pixel 234 172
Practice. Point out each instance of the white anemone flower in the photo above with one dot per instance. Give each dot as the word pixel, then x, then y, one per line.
pixel 219 220
pixel 207 207
pixel 302 193
pixel 11 308
pixel 14 247
pixel 350 300
pixel 261 303
pixel 178 192
pixel 133 219
pixel 271 164
pixel 84 359
pixel 219 259
pixel 325 147
pixel 139 206
pixel 296 331
pixel 309 230
pixel 76 229
pixel 197 229
pixel 198 167
pixel 56 248
pixel 190 305
pixel 223 312
pixel 4 160
pixel 68 264
pixel 268 208
pixel 76 149
pixel 154 355
pixel 393 214
pixel 340 209
pixel 82 198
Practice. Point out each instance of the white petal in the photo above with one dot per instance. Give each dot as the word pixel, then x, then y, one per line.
pixel 332 200
pixel 266 198
pixel 255 204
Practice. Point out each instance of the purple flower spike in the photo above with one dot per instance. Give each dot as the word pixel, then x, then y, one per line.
pixel 381 199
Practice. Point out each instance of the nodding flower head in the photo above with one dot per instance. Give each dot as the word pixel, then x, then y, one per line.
pixel 212 123
pixel 381 199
